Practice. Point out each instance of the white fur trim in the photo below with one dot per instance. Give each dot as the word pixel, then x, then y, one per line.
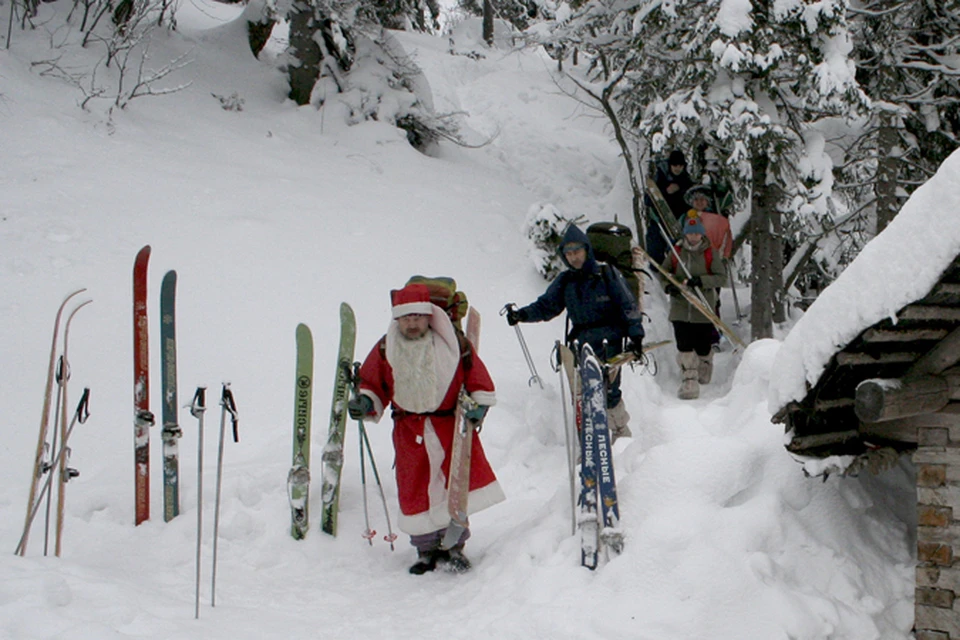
pixel 487 398
pixel 423 308
pixel 438 515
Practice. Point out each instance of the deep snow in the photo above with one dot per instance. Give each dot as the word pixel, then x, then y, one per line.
pixel 272 216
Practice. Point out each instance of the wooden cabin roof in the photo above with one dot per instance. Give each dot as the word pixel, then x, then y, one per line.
pixel 925 335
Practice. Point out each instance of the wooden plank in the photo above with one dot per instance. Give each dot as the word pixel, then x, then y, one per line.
pixel 845 358
pixel 945 354
pixel 803 443
pixel 903 335
pixel 882 399
pixel 930 312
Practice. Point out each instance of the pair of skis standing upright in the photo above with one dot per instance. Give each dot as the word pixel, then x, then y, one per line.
pixel 595 506
pixel 346 384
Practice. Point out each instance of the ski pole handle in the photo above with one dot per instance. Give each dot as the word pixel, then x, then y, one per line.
pixel 198 404
pixel 228 403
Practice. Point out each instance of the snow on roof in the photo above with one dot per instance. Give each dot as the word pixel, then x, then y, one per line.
pixel 899 266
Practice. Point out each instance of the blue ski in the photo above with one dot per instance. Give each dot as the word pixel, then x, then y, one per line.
pixel 597 467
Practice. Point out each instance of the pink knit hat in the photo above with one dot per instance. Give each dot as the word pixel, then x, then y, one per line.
pixel 413 298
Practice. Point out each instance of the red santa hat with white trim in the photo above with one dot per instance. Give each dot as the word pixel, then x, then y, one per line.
pixel 413 298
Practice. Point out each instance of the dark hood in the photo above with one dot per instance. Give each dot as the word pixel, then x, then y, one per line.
pixel 574 234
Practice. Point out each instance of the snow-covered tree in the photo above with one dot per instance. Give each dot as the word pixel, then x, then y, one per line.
pixel 755 79
pixel 907 61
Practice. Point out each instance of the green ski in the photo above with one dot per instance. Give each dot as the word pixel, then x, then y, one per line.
pixel 298 480
pixel 171 428
pixel 332 458
pixel 662 209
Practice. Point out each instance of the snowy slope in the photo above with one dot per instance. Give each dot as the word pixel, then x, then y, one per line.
pixel 273 215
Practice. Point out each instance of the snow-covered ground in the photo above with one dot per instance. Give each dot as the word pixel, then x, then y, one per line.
pixel 272 216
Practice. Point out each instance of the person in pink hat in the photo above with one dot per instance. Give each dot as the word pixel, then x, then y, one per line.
pixel 419 367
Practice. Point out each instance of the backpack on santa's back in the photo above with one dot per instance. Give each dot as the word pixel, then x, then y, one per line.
pixel 444 294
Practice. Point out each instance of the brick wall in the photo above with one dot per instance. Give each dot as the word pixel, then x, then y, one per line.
pixel 937 459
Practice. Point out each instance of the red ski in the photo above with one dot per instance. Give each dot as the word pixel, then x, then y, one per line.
pixel 458 485
pixel 142 418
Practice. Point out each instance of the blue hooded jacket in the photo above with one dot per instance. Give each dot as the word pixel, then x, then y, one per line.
pixel 598 303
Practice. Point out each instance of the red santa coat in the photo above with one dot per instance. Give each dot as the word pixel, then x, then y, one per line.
pixel 423 441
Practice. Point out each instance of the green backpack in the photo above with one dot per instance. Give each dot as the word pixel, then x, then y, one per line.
pixel 611 243
pixel 444 294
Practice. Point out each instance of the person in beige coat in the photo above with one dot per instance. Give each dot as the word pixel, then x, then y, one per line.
pixel 693 264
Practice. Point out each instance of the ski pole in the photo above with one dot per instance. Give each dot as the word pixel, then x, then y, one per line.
pixel 354 379
pixel 736 301
pixel 81 415
pixel 368 533
pixel 228 406
pixel 391 536
pixel 197 407
pixel 571 455
pixel 534 376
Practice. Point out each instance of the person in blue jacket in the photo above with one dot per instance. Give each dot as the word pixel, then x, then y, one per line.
pixel 600 310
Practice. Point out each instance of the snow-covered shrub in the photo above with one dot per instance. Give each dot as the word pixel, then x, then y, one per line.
pixel 543 228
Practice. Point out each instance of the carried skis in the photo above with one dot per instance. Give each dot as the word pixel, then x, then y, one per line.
pixel 42 445
pixel 171 428
pixel 669 222
pixel 142 418
pixel 332 457
pixel 458 485
pixel 698 301
pixel 298 480
pixel 599 508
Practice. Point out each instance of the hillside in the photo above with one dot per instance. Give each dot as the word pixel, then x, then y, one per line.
pixel 273 215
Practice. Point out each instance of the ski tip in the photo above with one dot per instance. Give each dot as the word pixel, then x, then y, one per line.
pixel 170 277
pixel 303 329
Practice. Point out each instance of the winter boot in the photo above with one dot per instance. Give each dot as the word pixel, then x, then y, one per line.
pixel 456 562
pixel 427 561
pixel 705 370
pixel 689 374
pixel 618 419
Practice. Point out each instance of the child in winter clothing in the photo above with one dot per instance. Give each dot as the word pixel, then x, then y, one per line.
pixel 697 269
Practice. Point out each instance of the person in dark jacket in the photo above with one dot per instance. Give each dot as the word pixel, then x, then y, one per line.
pixel 600 308
pixel 673 180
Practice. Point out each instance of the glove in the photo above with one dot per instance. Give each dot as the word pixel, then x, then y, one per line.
pixel 671 289
pixel 516 315
pixel 695 282
pixel 359 407
pixel 477 414
pixel 635 346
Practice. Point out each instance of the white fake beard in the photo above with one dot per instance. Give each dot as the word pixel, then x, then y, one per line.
pixel 415 374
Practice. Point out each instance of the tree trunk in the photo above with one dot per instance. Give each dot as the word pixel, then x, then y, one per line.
pixel 488 22
pixel 888 160
pixel 761 290
pixel 304 26
pixel 779 311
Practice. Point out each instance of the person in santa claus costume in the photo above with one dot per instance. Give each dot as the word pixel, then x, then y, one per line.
pixel 419 366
